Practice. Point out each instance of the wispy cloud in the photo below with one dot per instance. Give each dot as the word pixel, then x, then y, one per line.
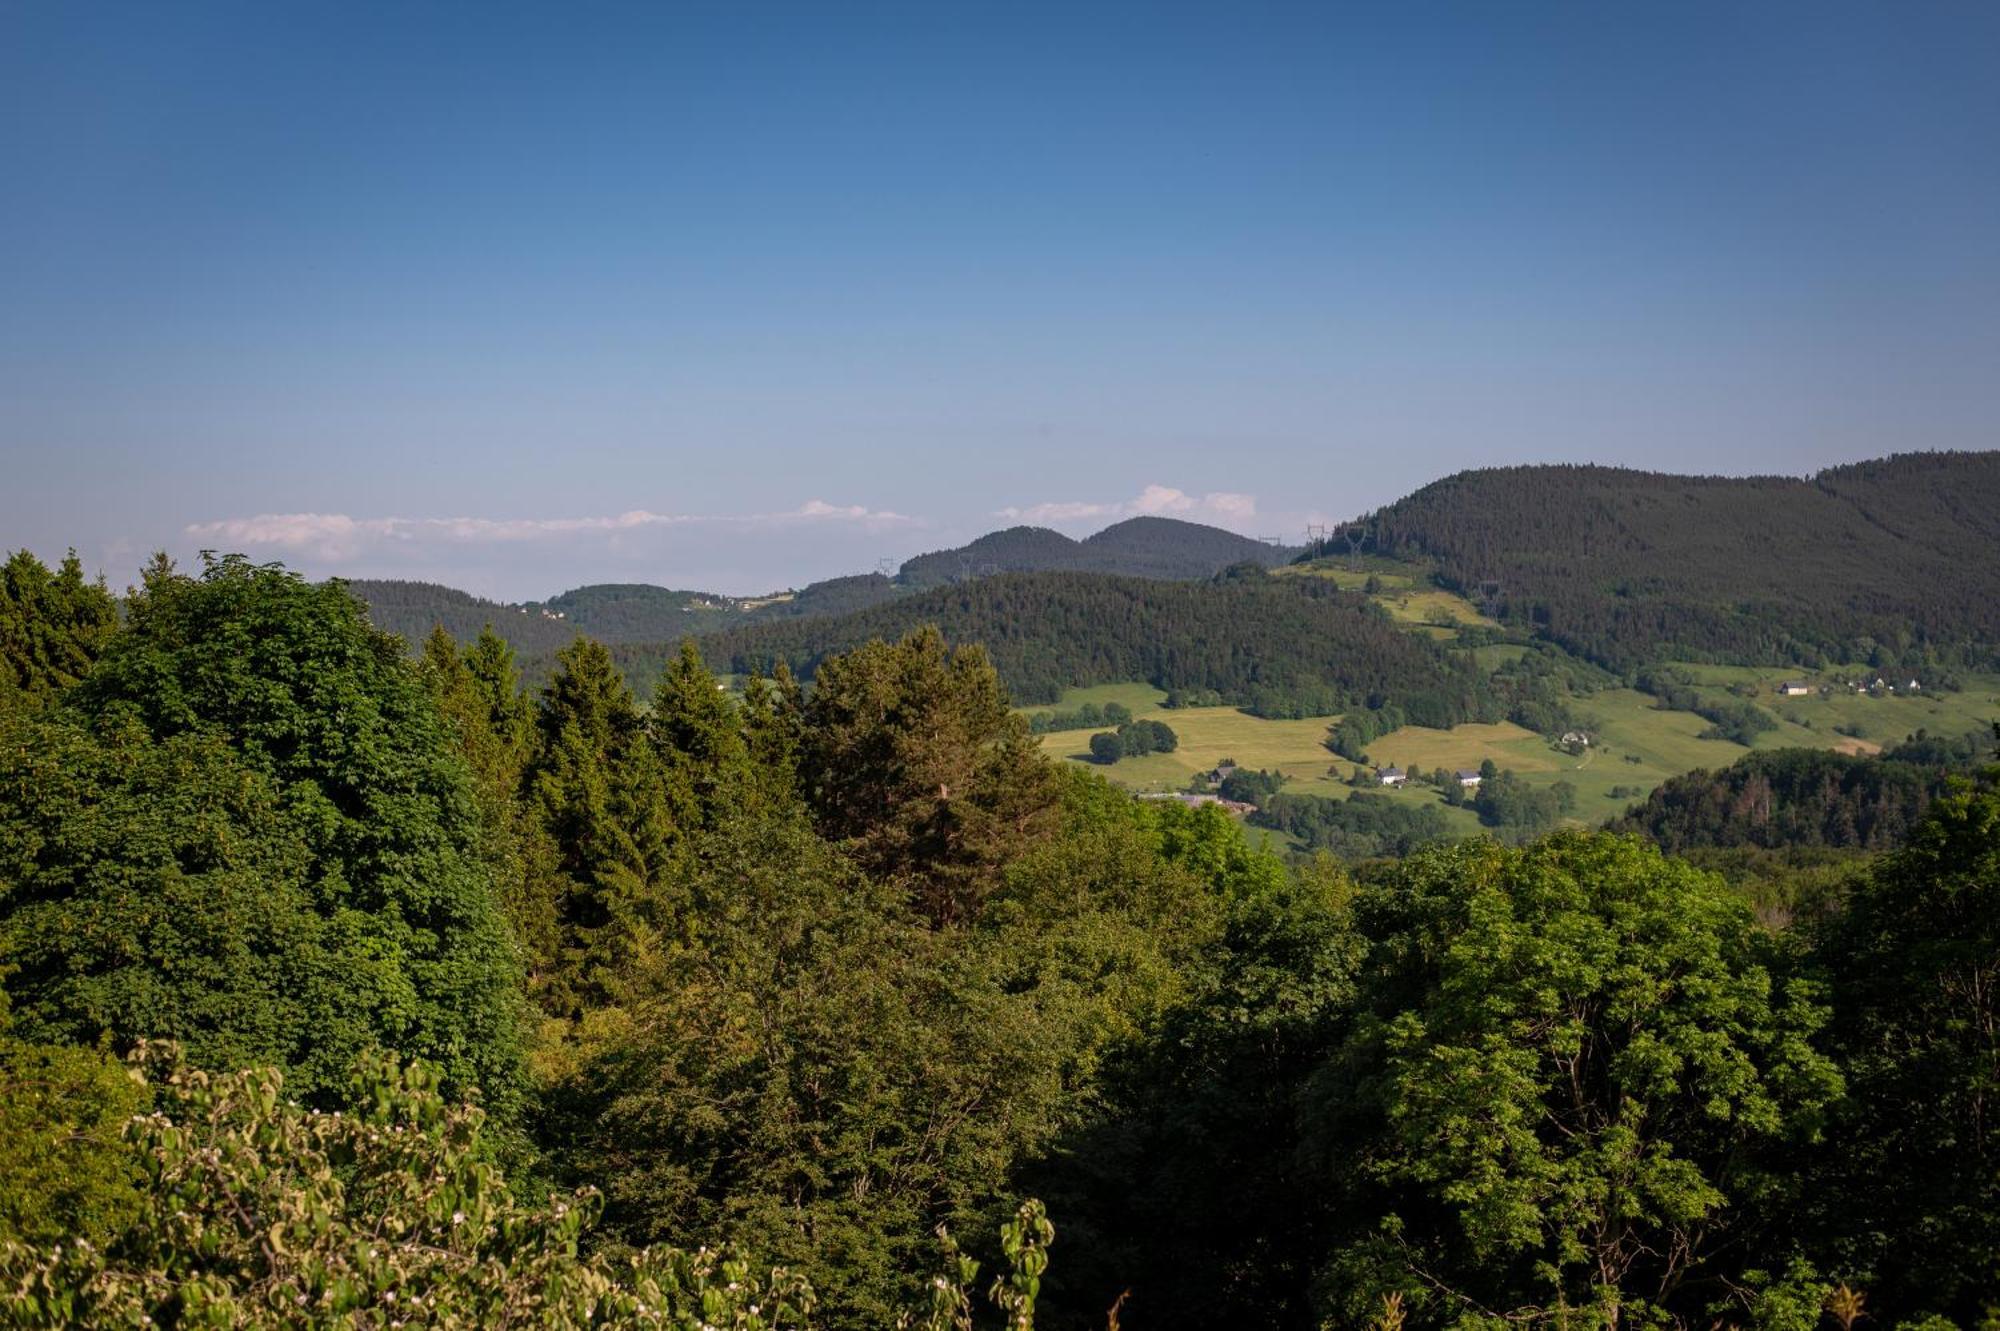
pixel 336 536
pixel 1222 507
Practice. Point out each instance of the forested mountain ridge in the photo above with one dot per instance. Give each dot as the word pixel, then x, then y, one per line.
pixel 1628 566
pixel 635 612
pixel 1143 547
pixel 410 610
pixel 1283 646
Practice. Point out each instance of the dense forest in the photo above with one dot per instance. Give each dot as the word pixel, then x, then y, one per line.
pixel 349 989
pixel 1888 562
pixel 1277 646
pixel 623 612
pixel 1145 547
pixel 1781 798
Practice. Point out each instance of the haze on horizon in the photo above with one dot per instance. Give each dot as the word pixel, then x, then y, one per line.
pixel 735 298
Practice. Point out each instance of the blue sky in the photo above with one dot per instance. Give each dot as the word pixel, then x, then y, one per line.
pixel 738 296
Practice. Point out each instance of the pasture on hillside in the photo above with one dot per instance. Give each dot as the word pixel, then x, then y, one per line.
pixel 1408 595
pixel 1877 721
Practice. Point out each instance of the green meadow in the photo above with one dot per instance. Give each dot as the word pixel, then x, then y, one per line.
pixel 1637 744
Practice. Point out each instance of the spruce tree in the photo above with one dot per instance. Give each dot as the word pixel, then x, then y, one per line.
pixel 698 735
pixel 914 757
pixel 597 791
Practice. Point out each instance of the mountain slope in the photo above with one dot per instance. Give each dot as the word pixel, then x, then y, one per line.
pixel 1627 566
pixel 412 609
pixel 1144 547
pixel 631 612
pixel 1283 645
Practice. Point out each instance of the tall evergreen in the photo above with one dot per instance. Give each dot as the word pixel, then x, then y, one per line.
pixel 479 694
pixel 53 626
pixel 914 758
pixel 597 790
pixel 698 734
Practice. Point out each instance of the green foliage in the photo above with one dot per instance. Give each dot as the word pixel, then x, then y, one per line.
pixel 479 694
pixel 596 791
pixel 1508 803
pixel 1281 647
pixel 1364 825
pixel 1627 567
pixel 1133 739
pixel 1192 1193
pixel 64 1173
pixel 816 1071
pixel 1791 797
pixel 160 888
pixel 1585 1059
pixel 53 627
pixel 1087 717
pixel 366 836
pixel 1250 787
pixel 1914 1197
pixel 259 1213
pixel 1143 547
pixel 914 760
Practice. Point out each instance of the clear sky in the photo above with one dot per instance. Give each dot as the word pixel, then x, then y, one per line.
pixel 737 296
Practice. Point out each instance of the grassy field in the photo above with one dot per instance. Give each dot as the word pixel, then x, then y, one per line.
pixel 1507 744
pixel 1880 721
pixel 1141 699
pixel 1408 596
pixel 1207 736
pixel 1638 745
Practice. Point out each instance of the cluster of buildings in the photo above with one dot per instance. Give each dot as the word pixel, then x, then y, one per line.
pixel 1396 776
pixel 1878 684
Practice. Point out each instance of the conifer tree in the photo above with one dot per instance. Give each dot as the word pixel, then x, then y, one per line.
pixel 53 626
pixel 597 790
pixel 773 731
pixel 479 694
pixel 698 735
pixel 914 757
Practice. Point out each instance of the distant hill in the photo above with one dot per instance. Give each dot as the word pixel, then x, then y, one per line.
pixel 1629 566
pixel 1286 646
pixel 413 609
pixel 1146 547
pixel 637 611
pixel 634 612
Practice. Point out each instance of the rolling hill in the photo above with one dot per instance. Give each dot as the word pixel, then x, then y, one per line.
pixel 1144 547
pixel 628 612
pixel 1879 558
pixel 1284 646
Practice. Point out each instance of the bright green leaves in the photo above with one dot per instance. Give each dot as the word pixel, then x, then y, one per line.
pixel 1584 1047
pixel 248 829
